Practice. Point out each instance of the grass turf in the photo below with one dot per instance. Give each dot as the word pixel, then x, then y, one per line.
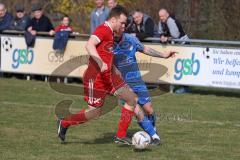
pixel 201 125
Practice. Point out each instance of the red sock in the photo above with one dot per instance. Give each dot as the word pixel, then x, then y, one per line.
pixel 125 121
pixel 74 119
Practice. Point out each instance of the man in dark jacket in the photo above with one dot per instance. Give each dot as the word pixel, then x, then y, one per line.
pixel 39 23
pixel 21 21
pixel 142 26
pixel 5 18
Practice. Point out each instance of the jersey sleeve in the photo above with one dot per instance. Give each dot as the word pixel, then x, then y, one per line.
pixel 99 34
pixel 139 45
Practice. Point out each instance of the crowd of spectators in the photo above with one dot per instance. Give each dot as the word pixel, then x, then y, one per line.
pixel 22 22
pixel 139 23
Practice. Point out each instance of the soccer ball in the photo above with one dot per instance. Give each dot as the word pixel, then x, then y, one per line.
pixel 141 140
pixel 7 44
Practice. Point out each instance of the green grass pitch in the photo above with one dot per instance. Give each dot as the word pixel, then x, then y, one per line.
pixel 204 125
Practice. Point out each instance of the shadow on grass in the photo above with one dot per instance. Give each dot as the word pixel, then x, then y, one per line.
pixel 106 138
pixel 142 150
pixel 109 138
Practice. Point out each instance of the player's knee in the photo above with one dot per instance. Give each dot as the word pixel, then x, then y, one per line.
pixel 148 109
pixel 128 96
pixel 98 112
pixel 132 100
pixel 149 112
pixel 93 112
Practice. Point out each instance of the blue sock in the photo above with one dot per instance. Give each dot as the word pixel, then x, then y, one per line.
pixel 147 126
pixel 152 119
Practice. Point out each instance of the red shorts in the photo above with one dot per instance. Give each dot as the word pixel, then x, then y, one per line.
pixel 98 84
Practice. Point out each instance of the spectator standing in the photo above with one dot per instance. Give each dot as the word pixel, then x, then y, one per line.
pixel 99 15
pixel 142 26
pixel 112 4
pixel 5 18
pixel 21 20
pixel 40 22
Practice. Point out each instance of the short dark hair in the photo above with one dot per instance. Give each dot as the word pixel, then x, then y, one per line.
pixel 64 16
pixel 136 10
pixel 117 11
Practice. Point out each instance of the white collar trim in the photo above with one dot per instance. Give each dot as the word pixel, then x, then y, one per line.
pixel 108 24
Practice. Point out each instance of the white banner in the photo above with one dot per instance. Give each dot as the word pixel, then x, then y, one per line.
pixel 224 68
pixel 42 59
pixel 197 66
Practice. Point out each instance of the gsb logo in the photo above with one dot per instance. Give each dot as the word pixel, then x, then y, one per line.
pixel 186 67
pixel 22 56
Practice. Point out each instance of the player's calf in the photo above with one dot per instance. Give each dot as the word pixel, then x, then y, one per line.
pixel 148 109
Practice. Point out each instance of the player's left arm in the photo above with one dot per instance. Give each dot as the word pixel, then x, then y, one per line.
pixel 154 53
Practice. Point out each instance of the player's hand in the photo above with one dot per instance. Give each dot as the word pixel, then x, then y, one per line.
pixel 103 67
pixel 163 39
pixel 170 54
pixel 51 33
pixel 33 32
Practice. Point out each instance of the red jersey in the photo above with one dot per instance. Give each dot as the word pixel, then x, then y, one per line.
pixel 96 83
pixel 63 28
pixel 104 34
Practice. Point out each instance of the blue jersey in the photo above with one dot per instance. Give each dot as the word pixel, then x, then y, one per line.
pixel 126 62
pixel 125 59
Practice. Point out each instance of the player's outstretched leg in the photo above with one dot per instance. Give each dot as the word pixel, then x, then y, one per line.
pixel 75 119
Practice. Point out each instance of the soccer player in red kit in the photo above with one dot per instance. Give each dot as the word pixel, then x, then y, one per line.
pixel 101 78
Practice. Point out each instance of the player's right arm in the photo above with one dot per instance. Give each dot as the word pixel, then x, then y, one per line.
pixel 154 53
pixel 92 51
pixel 151 52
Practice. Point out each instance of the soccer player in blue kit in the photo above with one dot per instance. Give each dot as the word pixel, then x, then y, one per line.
pixel 125 48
